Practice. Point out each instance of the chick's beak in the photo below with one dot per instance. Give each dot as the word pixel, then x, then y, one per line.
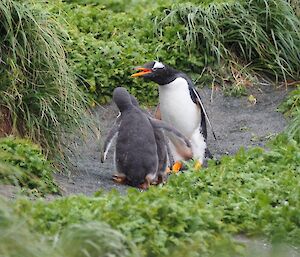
pixel 142 72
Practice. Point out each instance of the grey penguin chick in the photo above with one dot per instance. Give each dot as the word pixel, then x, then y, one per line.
pixel 136 151
pixel 161 143
pixel 163 150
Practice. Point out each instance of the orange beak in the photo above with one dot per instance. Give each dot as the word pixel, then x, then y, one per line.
pixel 142 72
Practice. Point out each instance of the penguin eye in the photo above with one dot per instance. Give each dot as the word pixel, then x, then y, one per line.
pixel 157 68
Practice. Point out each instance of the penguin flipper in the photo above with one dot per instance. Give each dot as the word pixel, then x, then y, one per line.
pixel 170 155
pixel 109 139
pixel 163 125
pixel 208 154
pixel 204 115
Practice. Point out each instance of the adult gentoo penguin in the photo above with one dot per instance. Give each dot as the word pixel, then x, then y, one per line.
pixel 180 105
pixel 136 156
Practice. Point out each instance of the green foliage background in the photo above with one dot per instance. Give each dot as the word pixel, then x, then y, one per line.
pixel 23 164
pixel 206 39
pixel 291 108
pixel 87 239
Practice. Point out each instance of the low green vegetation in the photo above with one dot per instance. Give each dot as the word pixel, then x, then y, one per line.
pixel 254 193
pixel 23 164
pixel 16 239
pixel 291 108
pixel 82 240
pixel 107 39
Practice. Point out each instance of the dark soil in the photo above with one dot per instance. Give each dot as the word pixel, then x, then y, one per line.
pixel 237 123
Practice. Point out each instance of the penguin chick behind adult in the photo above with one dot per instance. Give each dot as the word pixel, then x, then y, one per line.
pixel 136 151
pixel 163 149
pixel 180 105
pixel 161 142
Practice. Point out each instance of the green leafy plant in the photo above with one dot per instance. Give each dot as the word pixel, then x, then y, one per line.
pixel 293 129
pixel 254 193
pixel 109 38
pixel 291 107
pixel 23 164
pixel 103 48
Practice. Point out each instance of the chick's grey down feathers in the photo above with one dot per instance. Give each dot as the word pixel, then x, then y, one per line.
pixel 136 154
pixel 138 137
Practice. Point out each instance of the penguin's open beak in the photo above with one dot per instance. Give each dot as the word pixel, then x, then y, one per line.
pixel 142 72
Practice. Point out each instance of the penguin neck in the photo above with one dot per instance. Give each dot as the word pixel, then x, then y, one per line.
pixel 166 77
pixel 177 85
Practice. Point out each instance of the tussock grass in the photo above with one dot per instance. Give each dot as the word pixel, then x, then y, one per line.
pixel 87 239
pixel 36 85
pixel 263 34
pixel 16 239
pixel 94 239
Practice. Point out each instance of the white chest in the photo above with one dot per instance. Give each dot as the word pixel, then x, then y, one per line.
pixel 177 107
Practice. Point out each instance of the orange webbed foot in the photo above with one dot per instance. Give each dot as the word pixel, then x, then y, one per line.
pixel 144 186
pixel 119 179
pixel 176 167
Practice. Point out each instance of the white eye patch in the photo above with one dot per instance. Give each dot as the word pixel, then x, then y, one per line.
pixel 158 65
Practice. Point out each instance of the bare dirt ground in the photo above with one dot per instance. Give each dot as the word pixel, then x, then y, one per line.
pixel 237 123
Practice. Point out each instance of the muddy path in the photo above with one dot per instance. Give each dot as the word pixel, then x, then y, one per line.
pixel 237 123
